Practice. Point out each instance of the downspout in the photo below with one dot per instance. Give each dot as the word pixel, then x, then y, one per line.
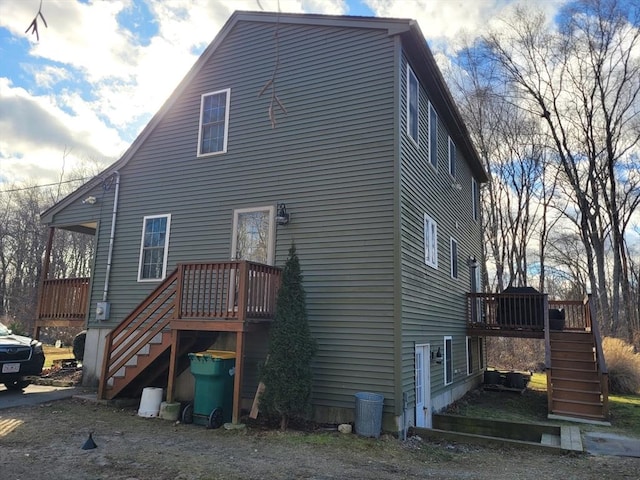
pixel 112 236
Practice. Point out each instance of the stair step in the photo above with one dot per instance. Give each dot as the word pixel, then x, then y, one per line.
pixel 573 355
pixel 573 336
pixel 573 373
pixel 577 384
pixel 567 413
pixel 568 346
pixel 562 393
pixel 588 365
pixel 577 407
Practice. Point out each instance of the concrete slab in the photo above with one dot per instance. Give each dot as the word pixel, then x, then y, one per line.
pixel 34 395
pixel 597 443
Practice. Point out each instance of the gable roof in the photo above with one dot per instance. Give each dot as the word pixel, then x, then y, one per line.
pixel 414 43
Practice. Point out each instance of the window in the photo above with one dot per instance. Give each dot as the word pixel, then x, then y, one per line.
pixel 452 158
pixel 412 105
pixel 480 352
pixel 430 242
pixel 475 199
pixel 469 356
pixel 448 360
pixel 454 258
pixel 154 248
pixel 214 122
pixel 433 136
pixel 254 234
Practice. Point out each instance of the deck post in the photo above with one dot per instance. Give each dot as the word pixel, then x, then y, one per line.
pixel 173 359
pixel 237 379
pixel 43 276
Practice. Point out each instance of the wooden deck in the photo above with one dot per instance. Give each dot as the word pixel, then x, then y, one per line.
pixel 62 302
pixel 196 299
pixel 577 378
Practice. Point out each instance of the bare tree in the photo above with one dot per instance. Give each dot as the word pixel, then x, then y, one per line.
pixel 582 81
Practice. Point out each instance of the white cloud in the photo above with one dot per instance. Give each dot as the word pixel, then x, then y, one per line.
pixel 36 132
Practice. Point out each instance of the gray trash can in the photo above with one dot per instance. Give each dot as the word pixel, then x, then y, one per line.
pixel 368 414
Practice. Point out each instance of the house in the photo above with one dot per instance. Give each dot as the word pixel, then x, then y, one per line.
pixel 336 133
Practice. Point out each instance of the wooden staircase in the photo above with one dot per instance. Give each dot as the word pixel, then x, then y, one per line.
pixel 185 313
pixel 576 387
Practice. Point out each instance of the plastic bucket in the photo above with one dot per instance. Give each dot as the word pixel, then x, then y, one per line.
pixel 170 411
pixel 150 402
pixel 368 418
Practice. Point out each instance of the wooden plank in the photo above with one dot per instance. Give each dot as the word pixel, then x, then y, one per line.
pixel 551 440
pixel 570 438
pixel 256 401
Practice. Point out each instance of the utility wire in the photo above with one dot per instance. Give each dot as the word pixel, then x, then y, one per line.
pixel 22 189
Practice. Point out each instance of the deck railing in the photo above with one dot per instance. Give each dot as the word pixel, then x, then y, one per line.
pixel 525 311
pixel 63 299
pixel 235 291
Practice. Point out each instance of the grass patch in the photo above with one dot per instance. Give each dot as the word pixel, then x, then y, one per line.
pixel 531 407
pixel 52 354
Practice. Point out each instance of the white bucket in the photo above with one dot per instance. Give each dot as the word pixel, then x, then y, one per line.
pixel 150 402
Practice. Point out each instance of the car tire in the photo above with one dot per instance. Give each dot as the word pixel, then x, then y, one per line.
pixel 17 384
pixel 78 345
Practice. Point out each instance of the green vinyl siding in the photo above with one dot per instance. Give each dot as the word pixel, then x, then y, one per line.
pixel 434 303
pixel 330 159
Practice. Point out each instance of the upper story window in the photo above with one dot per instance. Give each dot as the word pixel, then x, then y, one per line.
pixel 214 122
pixel 412 105
pixel 430 242
pixel 154 248
pixel 452 158
pixel 475 199
pixel 433 136
pixel 454 257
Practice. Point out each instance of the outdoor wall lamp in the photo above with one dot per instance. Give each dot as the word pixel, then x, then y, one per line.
pixel 90 200
pixel 282 216
pixel 437 356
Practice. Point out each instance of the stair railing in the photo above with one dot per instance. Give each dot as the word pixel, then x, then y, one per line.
pixel 147 320
pixel 603 374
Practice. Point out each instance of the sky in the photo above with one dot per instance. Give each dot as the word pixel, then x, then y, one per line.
pixel 81 93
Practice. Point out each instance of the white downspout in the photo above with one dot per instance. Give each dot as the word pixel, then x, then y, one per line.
pixel 112 236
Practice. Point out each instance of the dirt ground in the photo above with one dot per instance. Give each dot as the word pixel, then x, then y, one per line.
pixel 46 442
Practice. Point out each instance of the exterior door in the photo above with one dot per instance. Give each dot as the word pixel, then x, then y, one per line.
pixel 254 234
pixel 423 386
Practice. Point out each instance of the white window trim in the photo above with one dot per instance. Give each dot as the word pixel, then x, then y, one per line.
pixel 446 358
pixel 271 210
pixel 226 122
pixel 452 158
pixel 166 248
pixel 469 344
pixel 475 199
pixel 433 152
pixel 453 241
pixel 411 74
pixel 430 241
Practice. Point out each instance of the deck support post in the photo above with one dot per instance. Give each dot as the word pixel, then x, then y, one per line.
pixel 175 344
pixel 46 262
pixel 237 380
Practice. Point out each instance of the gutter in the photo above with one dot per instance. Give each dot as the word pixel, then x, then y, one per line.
pixel 112 236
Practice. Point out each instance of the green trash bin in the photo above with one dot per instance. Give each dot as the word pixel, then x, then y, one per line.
pixel 212 405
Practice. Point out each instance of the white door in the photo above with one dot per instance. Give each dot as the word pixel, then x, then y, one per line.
pixel 423 386
pixel 253 240
pixel 253 235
